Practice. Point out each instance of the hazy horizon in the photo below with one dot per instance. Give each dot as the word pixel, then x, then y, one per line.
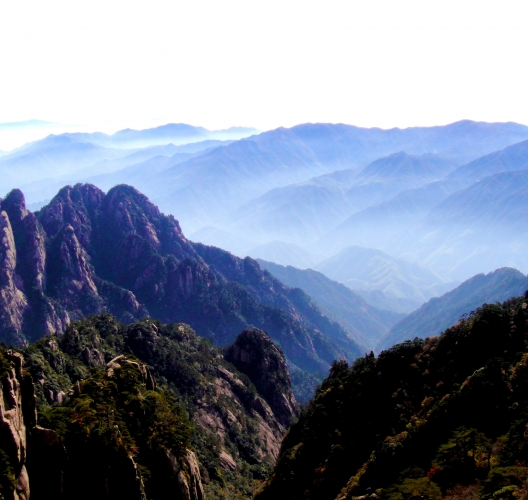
pixel 261 64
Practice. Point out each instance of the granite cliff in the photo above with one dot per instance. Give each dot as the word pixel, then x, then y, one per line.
pixel 41 463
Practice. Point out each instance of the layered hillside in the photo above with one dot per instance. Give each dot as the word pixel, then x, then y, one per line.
pixel 365 322
pixel 441 418
pixel 136 412
pixel 440 313
pixel 371 270
pixel 88 252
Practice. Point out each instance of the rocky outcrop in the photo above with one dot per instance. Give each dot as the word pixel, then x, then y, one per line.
pixel 184 477
pixel 27 312
pixel 36 462
pixel 17 418
pixel 256 355
pixel 13 300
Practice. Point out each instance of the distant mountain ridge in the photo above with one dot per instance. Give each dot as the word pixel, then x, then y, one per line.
pixel 371 270
pixel 365 322
pixel 440 313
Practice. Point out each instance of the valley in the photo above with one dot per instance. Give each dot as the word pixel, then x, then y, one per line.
pixel 238 288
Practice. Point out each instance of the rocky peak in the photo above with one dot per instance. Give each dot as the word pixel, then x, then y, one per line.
pixel 15 205
pixel 128 212
pixel 75 273
pixel 77 206
pixel 256 355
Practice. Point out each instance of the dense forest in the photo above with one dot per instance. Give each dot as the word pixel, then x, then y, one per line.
pixel 445 417
pixel 132 412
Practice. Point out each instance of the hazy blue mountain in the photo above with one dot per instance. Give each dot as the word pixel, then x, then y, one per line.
pixel 296 213
pixel 514 157
pixel 80 155
pixel 479 228
pixel 366 324
pixel 386 177
pixel 370 269
pixel 303 212
pixel 51 157
pixel 380 300
pixel 440 313
pixel 285 254
pixel 460 142
pixel 457 232
pixel 380 225
pixel 175 133
pixel 128 166
pixel 204 191
pixel 407 169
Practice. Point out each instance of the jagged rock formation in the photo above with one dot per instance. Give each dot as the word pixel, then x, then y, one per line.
pixel 88 252
pixel 17 417
pixel 255 354
pixel 40 463
pixel 107 394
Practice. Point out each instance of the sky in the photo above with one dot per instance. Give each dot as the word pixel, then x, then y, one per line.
pixel 106 65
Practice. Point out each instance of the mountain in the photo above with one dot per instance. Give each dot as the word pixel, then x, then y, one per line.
pixel 441 418
pixel 448 225
pixel 459 142
pixel 285 254
pixel 381 225
pixel 174 133
pixel 364 322
pixel 440 313
pixel 88 252
pixel 479 227
pixel 373 270
pixel 208 190
pixel 51 157
pixel 405 169
pixel 514 157
pixel 133 412
pixel 44 166
pixel 294 214
pixel 303 211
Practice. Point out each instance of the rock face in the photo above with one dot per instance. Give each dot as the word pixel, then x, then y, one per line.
pixel 35 462
pixel 89 252
pixel 17 417
pixel 255 354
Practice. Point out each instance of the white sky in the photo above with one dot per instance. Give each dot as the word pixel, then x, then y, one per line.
pixel 217 63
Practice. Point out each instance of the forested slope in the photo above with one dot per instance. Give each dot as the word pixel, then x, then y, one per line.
pixel 440 418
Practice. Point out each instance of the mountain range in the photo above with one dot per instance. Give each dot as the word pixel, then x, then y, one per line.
pixel 367 324
pixel 88 252
pixel 439 313
pixel 156 363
